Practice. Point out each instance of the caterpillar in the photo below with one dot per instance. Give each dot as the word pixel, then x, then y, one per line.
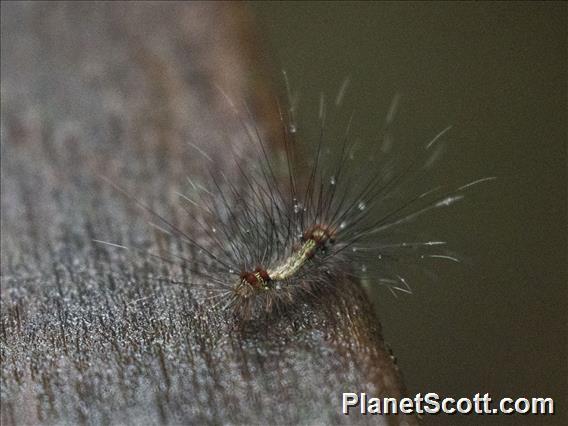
pixel 284 227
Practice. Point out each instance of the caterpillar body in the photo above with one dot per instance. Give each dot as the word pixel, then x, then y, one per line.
pixel 284 227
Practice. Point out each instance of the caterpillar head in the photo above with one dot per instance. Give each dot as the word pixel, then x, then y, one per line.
pixel 323 235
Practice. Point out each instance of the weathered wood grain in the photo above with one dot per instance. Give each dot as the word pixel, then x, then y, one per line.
pixel 91 335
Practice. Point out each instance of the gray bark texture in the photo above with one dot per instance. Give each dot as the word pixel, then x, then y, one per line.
pixel 91 335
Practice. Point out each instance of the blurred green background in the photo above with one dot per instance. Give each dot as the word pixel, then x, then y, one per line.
pixel 497 73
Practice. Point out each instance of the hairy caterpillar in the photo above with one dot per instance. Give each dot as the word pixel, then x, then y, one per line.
pixel 285 226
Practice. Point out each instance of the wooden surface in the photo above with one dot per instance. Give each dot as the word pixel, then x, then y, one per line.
pixel 91 335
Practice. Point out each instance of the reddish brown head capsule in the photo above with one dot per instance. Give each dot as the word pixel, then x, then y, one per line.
pixel 249 278
pixel 321 234
pixel 262 273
